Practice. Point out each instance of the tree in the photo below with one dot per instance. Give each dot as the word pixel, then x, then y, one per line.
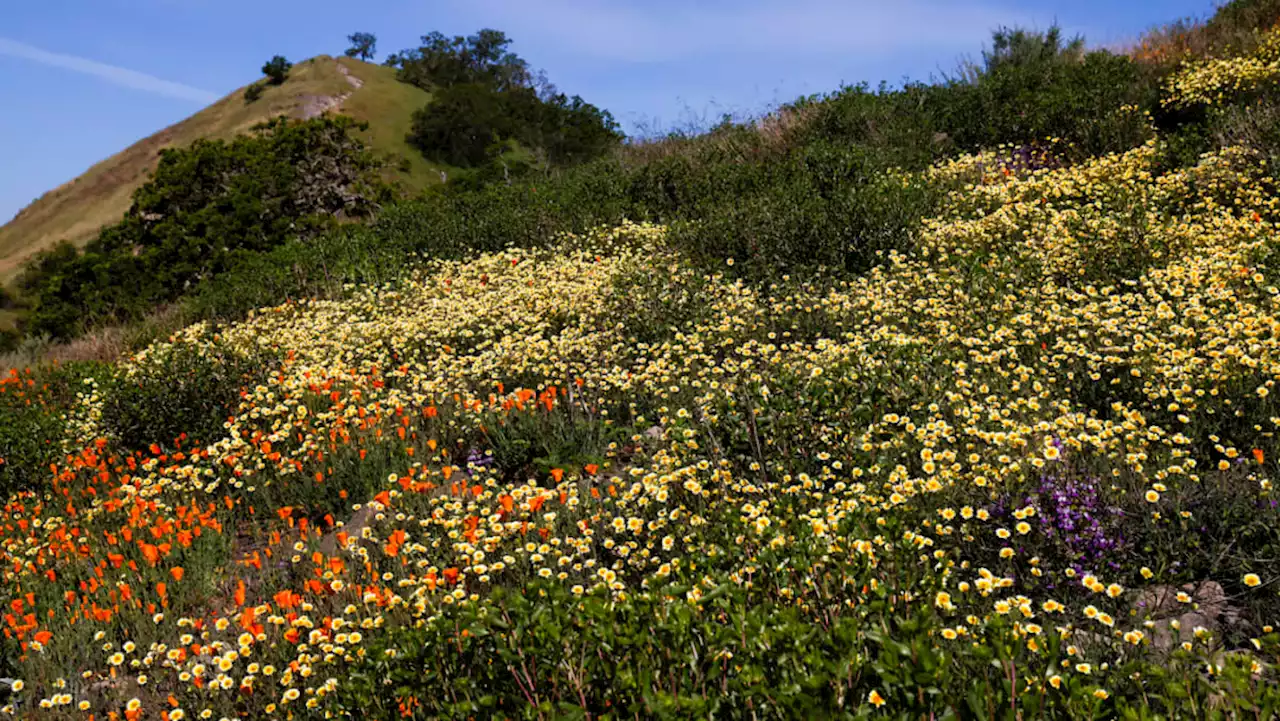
pixel 571 130
pixel 461 125
pixel 481 58
pixel 363 46
pixel 488 107
pixel 277 69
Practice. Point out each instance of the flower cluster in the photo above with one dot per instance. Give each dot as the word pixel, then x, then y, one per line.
pixel 606 417
pixel 1213 81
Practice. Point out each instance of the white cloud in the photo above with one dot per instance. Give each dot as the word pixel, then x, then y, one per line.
pixel 110 73
pixel 653 31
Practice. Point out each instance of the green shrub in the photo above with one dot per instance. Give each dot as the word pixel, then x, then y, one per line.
pixel 1033 86
pixel 276 69
pixel 33 403
pixel 204 205
pixel 717 649
pixel 831 218
pixel 182 393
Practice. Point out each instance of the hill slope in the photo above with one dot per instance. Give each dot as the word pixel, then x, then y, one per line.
pixel 76 210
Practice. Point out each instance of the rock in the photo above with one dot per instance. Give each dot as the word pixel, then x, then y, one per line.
pixel 359 520
pixel 1176 621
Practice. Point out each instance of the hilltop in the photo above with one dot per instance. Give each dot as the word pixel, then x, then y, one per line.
pixel 76 210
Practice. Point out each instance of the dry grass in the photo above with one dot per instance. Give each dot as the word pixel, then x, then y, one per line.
pixel 77 210
pixel 106 344
pixel 8 319
pixel 1234 29
pixel 775 133
pixel 103 344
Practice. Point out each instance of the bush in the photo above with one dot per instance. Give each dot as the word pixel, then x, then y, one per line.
pixel 470 124
pixel 461 124
pixel 1033 86
pixel 277 70
pixel 718 649
pixel 32 407
pixel 253 92
pixel 180 395
pixel 831 210
pixel 203 205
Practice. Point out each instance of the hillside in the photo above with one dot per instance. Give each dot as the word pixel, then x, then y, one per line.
pixel 948 401
pixel 76 210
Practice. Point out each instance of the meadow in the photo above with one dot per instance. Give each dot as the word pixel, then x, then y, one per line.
pixel 1018 463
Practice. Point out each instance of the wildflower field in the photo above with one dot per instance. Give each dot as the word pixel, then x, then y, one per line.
pixel 1023 469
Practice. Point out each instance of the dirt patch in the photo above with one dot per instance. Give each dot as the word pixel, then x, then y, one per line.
pixel 313 106
pixel 1206 606
pixel 355 82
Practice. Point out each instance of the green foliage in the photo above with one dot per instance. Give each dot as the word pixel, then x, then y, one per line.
pixel 183 397
pixel 1013 47
pixel 486 103
pixel 482 59
pixel 1031 86
pixel 717 649
pixel 253 92
pixel 471 124
pixel 462 125
pixel 276 69
pixel 568 130
pixel 363 46
pixel 205 204
pixel 32 424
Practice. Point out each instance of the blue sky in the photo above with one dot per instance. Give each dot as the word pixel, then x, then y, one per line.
pixel 82 79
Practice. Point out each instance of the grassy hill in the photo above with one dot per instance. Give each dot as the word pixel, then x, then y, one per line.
pixel 76 210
